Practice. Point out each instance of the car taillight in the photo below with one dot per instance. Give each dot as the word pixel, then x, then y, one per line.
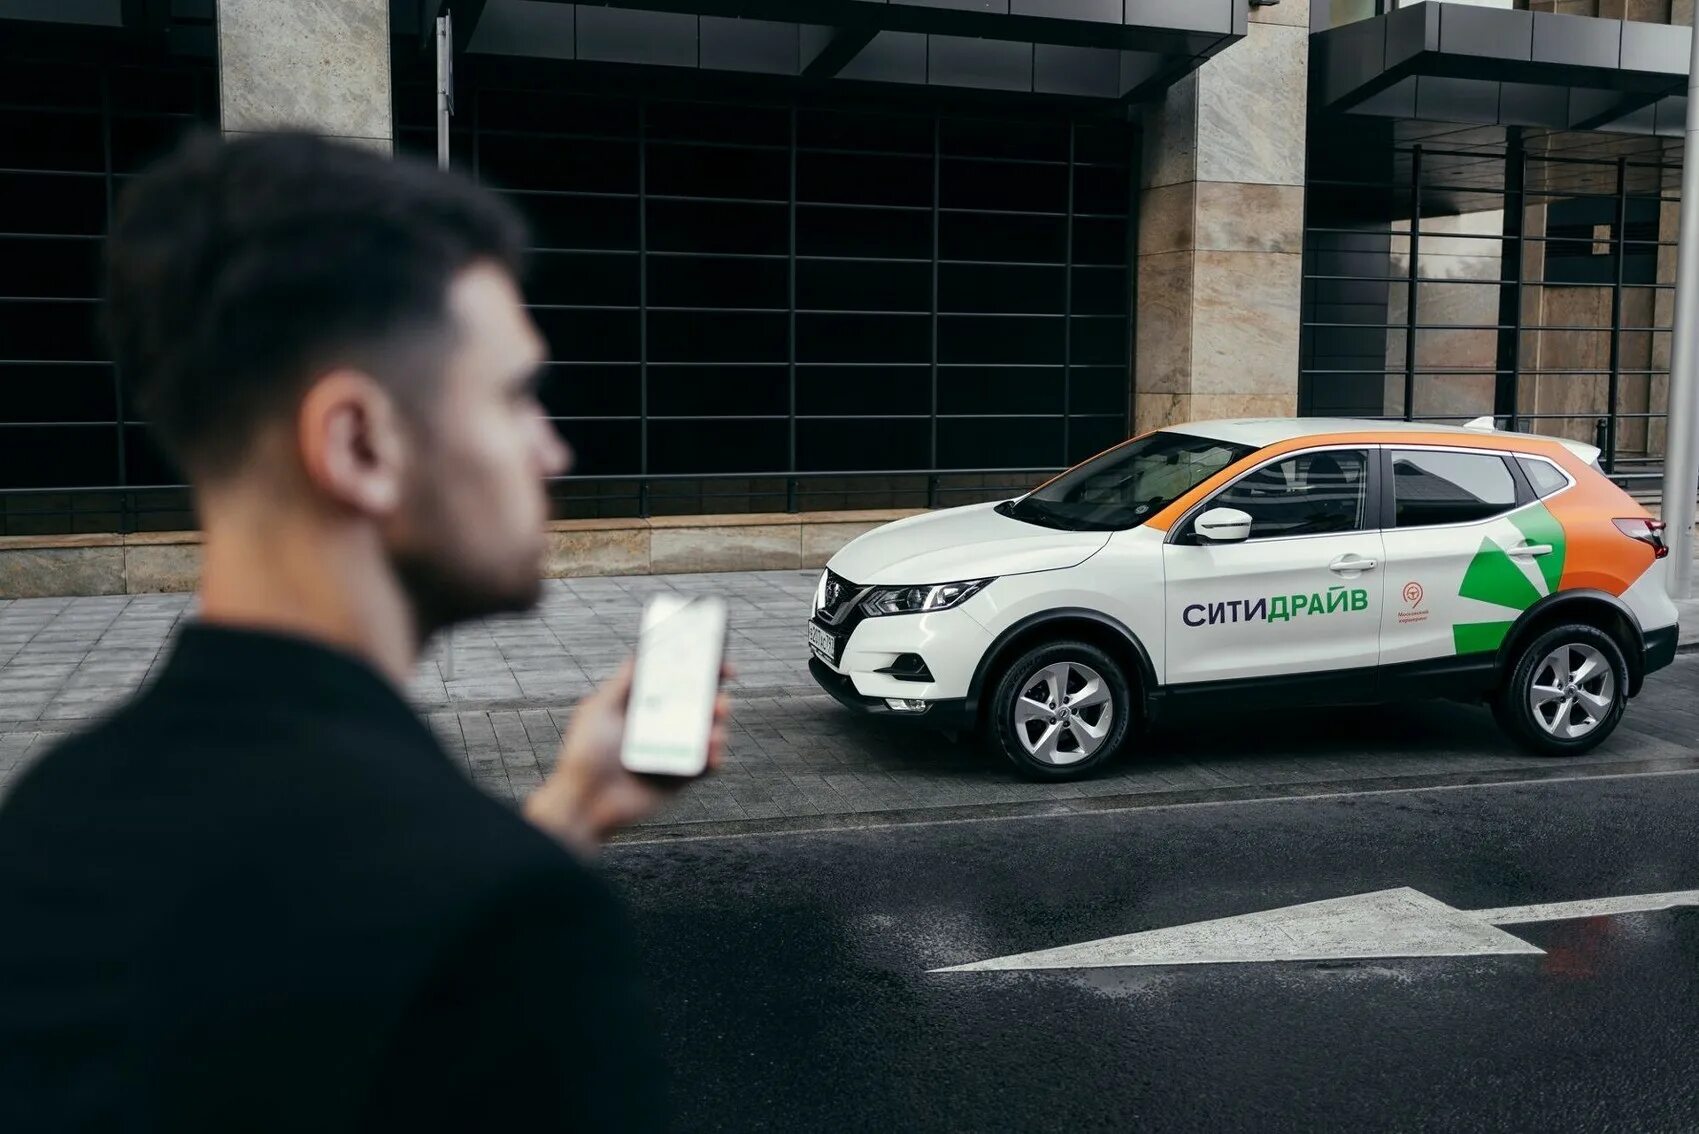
pixel 1646 531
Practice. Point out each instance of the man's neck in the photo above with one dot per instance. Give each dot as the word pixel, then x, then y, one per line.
pixel 308 577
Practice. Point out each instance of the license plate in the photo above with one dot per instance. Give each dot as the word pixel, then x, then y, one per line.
pixel 824 643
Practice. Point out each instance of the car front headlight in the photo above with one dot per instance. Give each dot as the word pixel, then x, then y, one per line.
pixel 919 600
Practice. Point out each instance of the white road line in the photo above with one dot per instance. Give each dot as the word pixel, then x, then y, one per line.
pixel 1590 907
pixel 827 828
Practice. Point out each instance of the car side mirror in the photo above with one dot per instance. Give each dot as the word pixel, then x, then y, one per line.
pixel 1223 525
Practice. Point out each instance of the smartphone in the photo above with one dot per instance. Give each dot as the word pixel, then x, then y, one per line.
pixel 669 721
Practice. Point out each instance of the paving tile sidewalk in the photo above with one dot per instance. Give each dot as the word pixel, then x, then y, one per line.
pixel 500 707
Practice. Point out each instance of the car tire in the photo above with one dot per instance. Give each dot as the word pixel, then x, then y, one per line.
pixel 1543 705
pixel 1045 743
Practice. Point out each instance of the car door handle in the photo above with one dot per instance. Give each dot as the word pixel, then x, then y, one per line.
pixel 1352 563
pixel 1530 551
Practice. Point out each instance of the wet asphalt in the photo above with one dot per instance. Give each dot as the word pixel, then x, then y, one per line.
pixel 790 971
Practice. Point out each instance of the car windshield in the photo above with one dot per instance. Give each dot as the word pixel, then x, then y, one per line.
pixel 1127 485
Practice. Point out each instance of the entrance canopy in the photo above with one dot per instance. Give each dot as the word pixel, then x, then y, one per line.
pixel 1490 66
pixel 1093 49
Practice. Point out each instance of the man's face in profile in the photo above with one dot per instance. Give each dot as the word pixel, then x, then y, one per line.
pixel 468 540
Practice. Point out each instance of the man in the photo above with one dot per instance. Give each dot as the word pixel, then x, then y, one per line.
pixel 260 897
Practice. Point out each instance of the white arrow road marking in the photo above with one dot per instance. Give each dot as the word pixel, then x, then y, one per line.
pixel 1380 925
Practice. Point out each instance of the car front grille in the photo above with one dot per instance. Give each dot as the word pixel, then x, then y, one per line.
pixel 839 599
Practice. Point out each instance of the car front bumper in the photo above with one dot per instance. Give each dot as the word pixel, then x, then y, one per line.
pixel 951 715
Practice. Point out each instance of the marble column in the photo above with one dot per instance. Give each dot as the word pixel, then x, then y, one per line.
pixel 1221 231
pixel 318 64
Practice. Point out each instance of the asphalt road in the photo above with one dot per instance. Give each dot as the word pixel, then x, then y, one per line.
pixel 791 971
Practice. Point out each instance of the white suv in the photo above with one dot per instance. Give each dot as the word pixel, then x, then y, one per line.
pixel 1283 561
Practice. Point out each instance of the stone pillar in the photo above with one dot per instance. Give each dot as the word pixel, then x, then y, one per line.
pixel 1221 231
pixel 323 66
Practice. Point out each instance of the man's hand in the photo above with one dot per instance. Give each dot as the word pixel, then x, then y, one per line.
pixel 590 795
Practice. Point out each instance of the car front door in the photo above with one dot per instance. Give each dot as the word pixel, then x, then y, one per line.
pixel 1302 594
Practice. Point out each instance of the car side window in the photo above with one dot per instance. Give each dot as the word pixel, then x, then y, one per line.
pixel 1545 477
pixel 1303 495
pixel 1431 488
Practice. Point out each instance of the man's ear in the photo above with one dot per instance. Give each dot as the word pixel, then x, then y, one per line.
pixel 353 442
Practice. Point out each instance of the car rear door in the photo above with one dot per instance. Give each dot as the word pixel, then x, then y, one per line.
pixel 1468 549
pixel 1302 594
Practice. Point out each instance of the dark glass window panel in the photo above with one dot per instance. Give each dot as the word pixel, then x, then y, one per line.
pixel 56 393
pixel 713 122
pixel 35 203
pixel 579 222
pixel 863 338
pixel 872 233
pixel 1098 341
pixel 855 444
pixel 990 389
pixel 603 448
pixel 39 139
pixel 1303 495
pixel 29 83
pixel 978 236
pixel 865 180
pixel 145 463
pixel 51 331
pixel 568 277
pixel 687 336
pixel 964 287
pixel 999 443
pixel 1449 488
pixel 849 130
pixel 719 391
pixel 1088 436
pixel 138 142
pixel 683 447
pixel 689 226
pixel 138 90
pixel 50 268
pixel 999 340
pixel 708 171
pixel 1003 137
pixel 1102 143
pixel 589 336
pixel 50 457
pixel 1099 389
pixel 685 281
pixel 844 390
pixel 555 111
pixel 1001 185
pixel 868 286
pixel 1100 241
pixel 1101 291
pixel 590 165
pixel 1102 189
pixel 591 391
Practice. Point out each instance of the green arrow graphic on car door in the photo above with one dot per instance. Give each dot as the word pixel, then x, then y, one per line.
pixel 1495 578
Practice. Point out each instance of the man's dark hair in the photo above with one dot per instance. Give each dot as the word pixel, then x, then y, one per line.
pixel 238 270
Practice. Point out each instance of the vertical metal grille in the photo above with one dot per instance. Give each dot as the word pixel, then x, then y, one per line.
pixel 1524 275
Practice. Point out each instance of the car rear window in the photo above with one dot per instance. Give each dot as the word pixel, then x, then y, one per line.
pixel 1443 487
pixel 1544 476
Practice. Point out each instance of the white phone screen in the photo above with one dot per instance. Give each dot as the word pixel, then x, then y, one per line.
pixel 670 719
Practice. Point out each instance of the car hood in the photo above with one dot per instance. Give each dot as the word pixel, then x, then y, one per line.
pixel 960 543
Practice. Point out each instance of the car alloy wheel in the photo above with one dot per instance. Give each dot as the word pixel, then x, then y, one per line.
pixel 1060 710
pixel 1573 691
pixel 1566 691
pixel 1064 713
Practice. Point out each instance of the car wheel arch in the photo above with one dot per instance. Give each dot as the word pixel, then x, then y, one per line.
pixel 1082 623
pixel 1593 607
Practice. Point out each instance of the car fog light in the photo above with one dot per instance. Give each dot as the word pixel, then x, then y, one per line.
pixel 904 705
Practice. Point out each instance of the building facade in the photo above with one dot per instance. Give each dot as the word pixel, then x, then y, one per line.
pixel 802 263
